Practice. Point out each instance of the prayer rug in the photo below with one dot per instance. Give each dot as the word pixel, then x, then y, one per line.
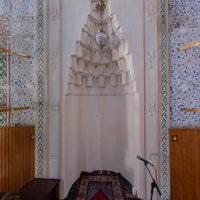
pixel 101 185
pixel 100 195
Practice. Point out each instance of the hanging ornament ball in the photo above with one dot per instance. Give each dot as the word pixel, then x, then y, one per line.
pixel 101 5
pixel 101 39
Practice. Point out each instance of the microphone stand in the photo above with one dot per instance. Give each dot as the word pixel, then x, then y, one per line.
pixel 153 184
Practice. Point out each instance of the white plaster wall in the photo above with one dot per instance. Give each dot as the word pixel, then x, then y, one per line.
pixel 53 87
pixel 100 134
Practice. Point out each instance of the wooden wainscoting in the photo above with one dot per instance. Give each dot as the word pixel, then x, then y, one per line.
pixel 16 157
pixel 185 164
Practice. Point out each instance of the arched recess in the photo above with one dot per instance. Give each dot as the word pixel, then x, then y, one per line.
pixel 147 62
pixel 101 105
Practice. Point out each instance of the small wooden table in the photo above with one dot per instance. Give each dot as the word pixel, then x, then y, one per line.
pixel 40 189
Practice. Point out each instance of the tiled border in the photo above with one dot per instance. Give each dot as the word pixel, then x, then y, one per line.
pixel 164 98
pixel 41 86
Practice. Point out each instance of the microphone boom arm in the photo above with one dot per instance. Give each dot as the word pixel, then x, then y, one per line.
pixel 153 184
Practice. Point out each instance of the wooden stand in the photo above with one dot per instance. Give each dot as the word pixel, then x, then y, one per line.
pixel 40 189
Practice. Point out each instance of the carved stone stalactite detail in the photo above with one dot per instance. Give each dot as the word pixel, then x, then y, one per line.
pixel 101 71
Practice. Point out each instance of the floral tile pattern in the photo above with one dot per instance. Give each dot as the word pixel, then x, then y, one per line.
pixel 27 80
pixel 185 65
pixel 19 88
pixel 23 71
pixel 184 13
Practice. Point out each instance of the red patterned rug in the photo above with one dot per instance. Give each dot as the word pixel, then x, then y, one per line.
pixel 100 195
pixel 101 185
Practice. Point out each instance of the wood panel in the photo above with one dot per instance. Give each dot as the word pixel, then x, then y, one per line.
pixel 16 157
pixel 185 164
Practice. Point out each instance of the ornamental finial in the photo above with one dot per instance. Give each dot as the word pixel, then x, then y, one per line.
pixel 101 5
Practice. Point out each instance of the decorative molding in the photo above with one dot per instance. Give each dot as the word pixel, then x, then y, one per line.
pixel 150 10
pixel 153 156
pixel 151 109
pixel 54 107
pixel 151 83
pixel 54 59
pixel 53 16
pixel 101 71
pixel 54 84
pixel 164 99
pixel 41 86
pixel 151 59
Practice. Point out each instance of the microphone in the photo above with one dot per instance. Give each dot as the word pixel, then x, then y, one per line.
pixel 144 160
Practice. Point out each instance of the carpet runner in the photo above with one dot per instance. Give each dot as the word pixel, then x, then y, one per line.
pixel 101 185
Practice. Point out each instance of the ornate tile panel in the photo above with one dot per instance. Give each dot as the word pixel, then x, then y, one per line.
pixel 185 78
pixel 4 6
pixel 18 25
pixel 27 80
pixel 185 68
pixel 22 71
